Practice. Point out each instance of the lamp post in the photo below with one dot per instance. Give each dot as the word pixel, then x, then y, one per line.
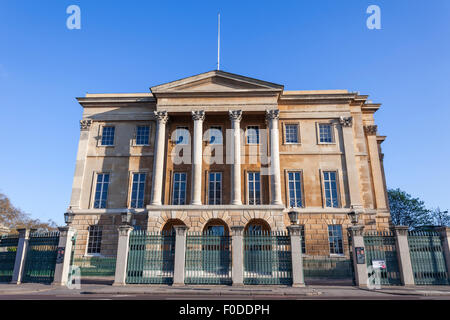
pixel 68 217
pixel 293 217
pixel 353 217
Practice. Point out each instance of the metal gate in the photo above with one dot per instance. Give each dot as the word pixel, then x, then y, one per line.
pixel 382 246
pixel 208 258
pixel 267 258
pixel 427 258
pixel 8 250
pixel 151 257
pixel 41 257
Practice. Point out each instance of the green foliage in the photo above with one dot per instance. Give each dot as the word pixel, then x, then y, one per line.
pixel 440 218
pixel 408 211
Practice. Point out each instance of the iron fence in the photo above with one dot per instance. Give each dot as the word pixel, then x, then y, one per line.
pixel 151 257
pixel 267 258
pixel 334 268
pixel 8 250
pixel 427 258
pixel 208 258
pixel 96 266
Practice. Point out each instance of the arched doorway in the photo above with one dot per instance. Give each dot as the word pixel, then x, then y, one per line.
pixel 257 226
pixel 170 224
pixel 216 227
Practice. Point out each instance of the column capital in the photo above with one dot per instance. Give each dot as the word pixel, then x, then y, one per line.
pixel 162 116
pixel 64 231
pixel 401 230
pixel 273 114
pixel 198 115
pixel 346 121
pixel 85 124
pixel 237 230
pixel 371 130
pixel 124 230
pixel 24 233
pixel 180 230
pixel 235 115
pixel 357 230
pixel 294 230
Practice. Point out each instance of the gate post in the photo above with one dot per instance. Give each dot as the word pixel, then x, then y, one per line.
pixel 445 240
pixel 296 256
pixel 22 247
pixel 62 267
pixel 122 255
pixel 360 269
pixel 237 259
pixel 180 255
pixel 403 255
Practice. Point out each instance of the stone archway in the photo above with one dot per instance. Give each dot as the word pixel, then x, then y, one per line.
pixel 257 225
pixel 168 226
pixel 217 226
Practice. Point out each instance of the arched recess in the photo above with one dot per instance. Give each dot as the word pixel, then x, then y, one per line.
pixel 217 226
pixel 257 225
pixel 168 226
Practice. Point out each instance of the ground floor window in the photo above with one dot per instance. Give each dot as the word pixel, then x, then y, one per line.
pixel 335 239
pixel 95 239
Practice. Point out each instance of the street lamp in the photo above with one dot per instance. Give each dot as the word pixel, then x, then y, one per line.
pixel 126 217
pixel 353 217
pixel 68 216
pixel 293 217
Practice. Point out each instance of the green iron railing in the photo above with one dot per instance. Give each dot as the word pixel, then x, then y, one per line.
pixel 327 268
pixel 151 257
pixel 208 258
pixel 41 257
pixel 96 266
pixel 427 258
pixel 382 246
pixel 8 249
pixel 267 258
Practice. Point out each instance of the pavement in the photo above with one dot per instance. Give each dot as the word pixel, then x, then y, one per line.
pixel 93 291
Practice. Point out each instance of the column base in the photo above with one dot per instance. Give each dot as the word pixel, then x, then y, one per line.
pixel 298 285
pixel 118 284
pixel 178 285
pixel 236 203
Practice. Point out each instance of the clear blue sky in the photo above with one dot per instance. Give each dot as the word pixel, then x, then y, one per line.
pixel 128 46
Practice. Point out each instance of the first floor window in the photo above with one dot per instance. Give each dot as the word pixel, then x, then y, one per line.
pixel 254 188
pixel 108 136
pixel 295 189
pixel 252 135
pixel 335 239
pixel 101 190
pixel 137 190
pixel 142 135
pixel 179 188
pixel 291 135
pixel 95 239
pixel 215 188
pixel 325 133
pixel 330 186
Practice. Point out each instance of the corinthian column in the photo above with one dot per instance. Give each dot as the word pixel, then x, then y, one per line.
pixel 235 117
pixel 272 117
pixel 158 162
pixel 196 191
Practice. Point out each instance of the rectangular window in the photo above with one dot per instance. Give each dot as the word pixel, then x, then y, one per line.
pixel 142 135
pixel 252 135
pixel 335 239
pixel 101 190
pixel 215 135
pixel 95 239
pixel 182 135
pixel 291 133
pixel 179 188
pixel 330 186
pixel 325 133
pixel 295 189
pixel 215 188
pixel 254 188
pixel 302 234
pixel 108 136
pixel 137 190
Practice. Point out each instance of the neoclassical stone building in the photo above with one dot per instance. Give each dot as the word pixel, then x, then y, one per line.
pixel 219 149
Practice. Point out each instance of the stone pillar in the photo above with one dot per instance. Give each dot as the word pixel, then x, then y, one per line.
pixel 122 255
pixel 445 240
pixel 180 255
pixel 83 143
pixel 235 117
pixel 403 255
pixel 360 270
pixel 158 162
pixel 375 164
pixel 297 256
pixel 350 160
pixel 62 268
pixel 21 255
pixel 237 242
pixel 196 189
pixel 272 117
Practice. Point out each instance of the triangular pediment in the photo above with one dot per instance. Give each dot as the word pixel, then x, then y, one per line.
pixel 216 81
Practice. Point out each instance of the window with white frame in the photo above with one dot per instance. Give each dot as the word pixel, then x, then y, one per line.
pixel 108 136
pixel 335 239
pixel 101 190
pixel 330 189
pixel 182 135
pixel 254 188
pixel 252 135
pixel 215 188
pixel 295 189
pixel 291 133
pixel 326 133
pixel 142 135
pixel 179 188
pixel 215 135
pixel 95 239
pixel 137 190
